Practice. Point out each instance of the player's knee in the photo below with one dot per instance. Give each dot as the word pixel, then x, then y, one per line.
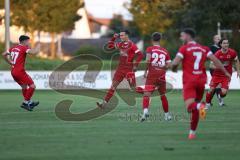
pixel 224 92
pixel 24 86
pixel 33 86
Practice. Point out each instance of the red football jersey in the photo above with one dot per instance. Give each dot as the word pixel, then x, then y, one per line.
pixel 128 50
pixel 157 57
pixel 18 55
pixel 226 59
pixel 193 57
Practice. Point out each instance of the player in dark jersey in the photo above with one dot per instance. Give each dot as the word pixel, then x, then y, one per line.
pixel 214 48
pixel 193 56
pixel 127 65
pixel 16 57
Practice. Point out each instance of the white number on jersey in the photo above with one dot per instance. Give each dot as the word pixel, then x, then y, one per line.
pixel 198 56
pixel 14 56
pixel 158 59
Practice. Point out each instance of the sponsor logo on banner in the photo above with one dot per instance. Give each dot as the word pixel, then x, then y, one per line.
pixel 103 80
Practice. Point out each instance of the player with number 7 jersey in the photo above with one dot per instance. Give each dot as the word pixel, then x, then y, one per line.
pixel 193 56
pixel 16 57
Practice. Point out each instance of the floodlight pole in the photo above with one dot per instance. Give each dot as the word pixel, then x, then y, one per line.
pixel 219 29
pixel 7 24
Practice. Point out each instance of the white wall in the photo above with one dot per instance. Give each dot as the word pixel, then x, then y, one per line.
pixel 103 80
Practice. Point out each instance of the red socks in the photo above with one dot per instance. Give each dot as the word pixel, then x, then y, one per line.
pixel 24 91
pixel 145 102
pixel 164 103
pixel 194 119
pixel 195 115
pixel 29 93
pixel 209 96
pixel 109 95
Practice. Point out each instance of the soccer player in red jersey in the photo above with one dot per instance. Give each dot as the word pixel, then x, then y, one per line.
pixel 158 60
pixel 227 56
pixel 193 56
pixel 126 67
pixel 16 57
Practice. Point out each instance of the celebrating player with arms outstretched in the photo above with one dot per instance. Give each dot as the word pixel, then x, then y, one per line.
pixel 158 60
pixel 126 67
pixel 16 57
pixel 193 56
pixel 227 56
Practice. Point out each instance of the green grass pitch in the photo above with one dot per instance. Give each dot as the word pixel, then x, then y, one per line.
pixel 118 135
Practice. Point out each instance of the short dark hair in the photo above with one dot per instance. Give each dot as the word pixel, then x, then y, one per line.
pixel 221 41
pixel 125 31
pixel 190 31
pixel 23 38
pixel 156 36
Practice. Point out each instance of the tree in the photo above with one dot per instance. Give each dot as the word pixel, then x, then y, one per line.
pixel 58 16
pixel 153 15
pixel 116 23
pixel 2 4
pixel 203 15
pixel 45 15
pixel 24 14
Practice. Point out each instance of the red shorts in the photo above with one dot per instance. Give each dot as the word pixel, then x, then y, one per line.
pixel 156 81
pixel 194 89
pixel 22 78
pixel 120 74
pixel 224 81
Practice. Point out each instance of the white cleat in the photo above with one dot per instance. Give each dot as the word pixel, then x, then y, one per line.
pixel 167 117
pixel 145 115
pixel 220 100
pixel 208 106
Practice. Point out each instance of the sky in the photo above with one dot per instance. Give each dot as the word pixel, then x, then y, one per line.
pixel 106 8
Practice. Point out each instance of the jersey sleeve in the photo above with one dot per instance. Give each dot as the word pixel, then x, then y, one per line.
pixel 135 49
pixel 138 53
pixel 208 51
pixel 181 52
pixel 27 49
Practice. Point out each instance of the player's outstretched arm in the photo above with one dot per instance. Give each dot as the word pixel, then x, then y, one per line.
pixel 34 50
pixel 177 60
pixel 237 67
pixel 219 65
pixel 7 57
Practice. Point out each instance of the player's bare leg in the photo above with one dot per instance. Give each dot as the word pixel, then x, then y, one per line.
pixel 145 105
pixel 197 111
pixel 28 91
pixel 109 95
